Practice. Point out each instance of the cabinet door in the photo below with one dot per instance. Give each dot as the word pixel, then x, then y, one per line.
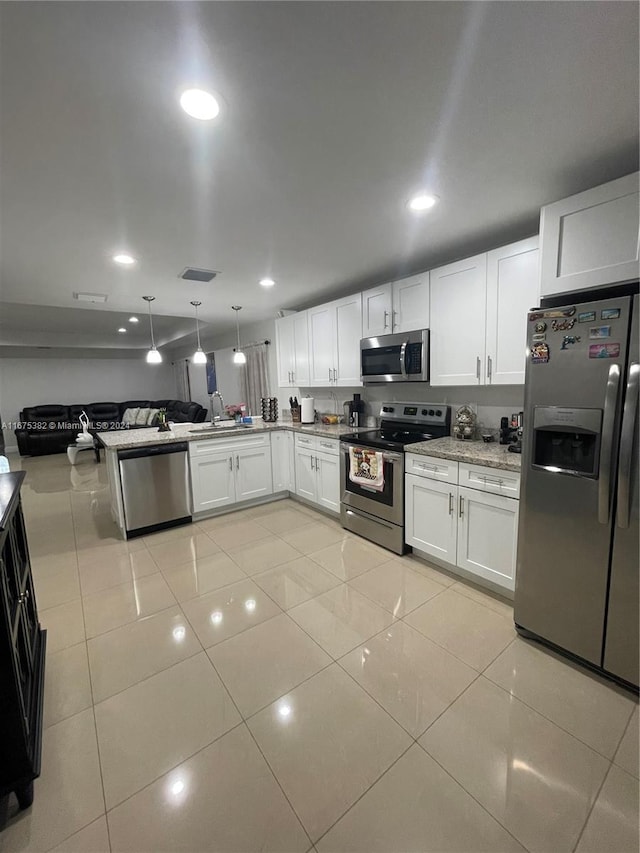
pixel 328 480
pixel 253 473
pixel 590 239
pixel 213 481
pixel 348 325
pixel 305 474
pixel 376 311
pixel 291 450
pixel 458 320
pixel 280 460
pixel 285 349
pixel 411 303
pixel 430 517
pixel 488 536
pixel 322 345
pixel 513 288
pixel 300 361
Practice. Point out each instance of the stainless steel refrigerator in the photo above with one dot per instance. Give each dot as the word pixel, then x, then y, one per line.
pixel 578 546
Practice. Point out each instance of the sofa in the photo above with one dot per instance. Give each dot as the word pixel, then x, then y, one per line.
pixel 51 427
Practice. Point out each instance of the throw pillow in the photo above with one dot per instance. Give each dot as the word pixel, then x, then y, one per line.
pixel 153 414
pixel 129 416
pixel 141 417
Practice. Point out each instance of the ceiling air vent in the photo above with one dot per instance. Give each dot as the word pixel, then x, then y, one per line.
pixel 90 297
pixel 195 274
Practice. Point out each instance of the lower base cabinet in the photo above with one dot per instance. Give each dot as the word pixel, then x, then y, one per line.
pixel 317 471
pixel 283 461
pixel 227 472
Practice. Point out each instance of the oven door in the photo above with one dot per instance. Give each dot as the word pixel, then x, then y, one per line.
pixel 395 358
pixel 387 503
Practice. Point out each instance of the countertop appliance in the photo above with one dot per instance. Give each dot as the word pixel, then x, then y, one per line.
pixel 378 513
pixel 577 568
pixel 155 487
pixel 395 358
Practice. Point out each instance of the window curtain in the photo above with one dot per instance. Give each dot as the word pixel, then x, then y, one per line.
pixel 255 377
pixel 181 376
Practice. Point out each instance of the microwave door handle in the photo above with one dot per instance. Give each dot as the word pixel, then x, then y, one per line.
pixel 606 444
pixel 403 357
pixel 626 445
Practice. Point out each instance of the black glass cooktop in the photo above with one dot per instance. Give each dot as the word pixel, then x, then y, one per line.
pixel 392 438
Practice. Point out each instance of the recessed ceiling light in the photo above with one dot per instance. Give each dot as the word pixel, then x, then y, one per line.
pixel 124 259
pixel 133 320
pixel 122 329
pixel 267 282
pixel 422 202
pixel 199 104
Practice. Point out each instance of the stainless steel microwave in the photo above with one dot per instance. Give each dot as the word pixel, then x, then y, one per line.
pixel 395 358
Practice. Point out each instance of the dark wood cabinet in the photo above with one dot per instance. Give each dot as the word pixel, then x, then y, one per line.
pixel 22 654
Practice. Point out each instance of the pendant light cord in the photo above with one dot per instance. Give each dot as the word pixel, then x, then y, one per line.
pixel 149 300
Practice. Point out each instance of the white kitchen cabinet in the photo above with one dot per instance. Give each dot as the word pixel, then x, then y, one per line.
pixel 317 471
pixel 282 461
pixel 400 306
pixel 513 288
pixel 335 330
pixel 591 239
pixel 487 536
pixel 253 473
pixel 327 480
pixel 213 481
pixel 430 516
pixel 292 350
pixel 306 485
pixel 458 322
pixel 226 470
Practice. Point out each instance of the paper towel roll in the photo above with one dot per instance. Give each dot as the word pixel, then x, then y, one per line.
pixel 308 411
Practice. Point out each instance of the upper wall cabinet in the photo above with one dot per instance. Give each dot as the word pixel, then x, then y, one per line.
pixel 400 306
pixel 292 350
pixel 335 330
pixel 590 239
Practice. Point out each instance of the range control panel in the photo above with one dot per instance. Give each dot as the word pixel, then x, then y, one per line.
pixel 419 413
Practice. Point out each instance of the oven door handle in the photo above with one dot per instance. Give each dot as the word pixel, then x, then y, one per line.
pixel 403 358
pixel 390 457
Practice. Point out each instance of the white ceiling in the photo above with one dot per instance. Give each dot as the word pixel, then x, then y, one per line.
pixel 334 114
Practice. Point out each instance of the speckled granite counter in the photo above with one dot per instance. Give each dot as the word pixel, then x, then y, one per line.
pixel 125 439
pixel 493 455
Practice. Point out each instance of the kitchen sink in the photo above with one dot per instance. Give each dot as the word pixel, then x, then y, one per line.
pixel 210 429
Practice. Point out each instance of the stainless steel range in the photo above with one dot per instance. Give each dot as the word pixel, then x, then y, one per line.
pixel 372 469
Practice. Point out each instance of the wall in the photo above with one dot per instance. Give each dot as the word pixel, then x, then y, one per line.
pixel 33 381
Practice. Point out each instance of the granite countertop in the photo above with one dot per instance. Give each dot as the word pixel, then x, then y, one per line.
pixel 493 455
pixel 125 439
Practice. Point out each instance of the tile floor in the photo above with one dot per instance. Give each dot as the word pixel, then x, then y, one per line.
pixel 267 681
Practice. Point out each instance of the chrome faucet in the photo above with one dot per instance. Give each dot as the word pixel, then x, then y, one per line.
pixel 222 411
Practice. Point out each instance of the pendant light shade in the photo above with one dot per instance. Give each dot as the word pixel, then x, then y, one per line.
pixel 153 356
pixel 238 357
pixel 198 357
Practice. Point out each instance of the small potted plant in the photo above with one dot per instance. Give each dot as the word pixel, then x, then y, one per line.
pixel 235 410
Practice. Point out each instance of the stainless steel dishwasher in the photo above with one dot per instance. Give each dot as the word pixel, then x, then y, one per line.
pixel 155 487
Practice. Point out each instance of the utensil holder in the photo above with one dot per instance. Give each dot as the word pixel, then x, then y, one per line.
pixel 296 415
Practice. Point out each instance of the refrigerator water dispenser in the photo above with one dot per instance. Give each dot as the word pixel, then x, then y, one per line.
pixel 567 441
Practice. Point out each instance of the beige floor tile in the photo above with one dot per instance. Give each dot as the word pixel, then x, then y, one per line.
pixel 67 687
pixel 349 558
pixel 138 650
pixel 230 537
pixel 181 710
pixel 57 587
pixel 113 569
pixel 295 582
pixel 56 561
pixel 468 630
pixel 46 544
pixel 314 537
pixel 493 601
pixel 583 704
pixel 92 839
pixel 327 742
pixel 226 612
pixel 256 557
pixel 536 779
pixel 613 824
pixel 111 608
pixel 88 555
pixel 68 794
pixel 411 677
pixel 340 619
pixel 259 665
pixel 160 537
pixel 232 516
pixel 427 570
pixel 205 575
pixel 417 808
pixel 284 520
pixel 64 625
pixel 186 549
pixel 224 798
pixel 396 588
pixel 627 755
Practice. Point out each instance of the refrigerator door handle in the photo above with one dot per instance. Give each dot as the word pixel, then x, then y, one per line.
pixel 606 444
pixel 626 445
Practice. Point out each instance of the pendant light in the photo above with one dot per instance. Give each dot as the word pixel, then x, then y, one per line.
pixel 238 357
pixel 153 356
pixel 198 357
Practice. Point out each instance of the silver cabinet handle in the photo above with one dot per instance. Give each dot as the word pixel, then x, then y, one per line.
pixel 329 374
pixel 450 503
pixel 606 443
pixel 626 445
pixel 495 482
pixel 489 368
pixel 231 463
pixel 478 364
pixel 461 509
pixel 237 463
pixel 386 314
pixel 293 377
pixel 335 375
pixel 394 314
